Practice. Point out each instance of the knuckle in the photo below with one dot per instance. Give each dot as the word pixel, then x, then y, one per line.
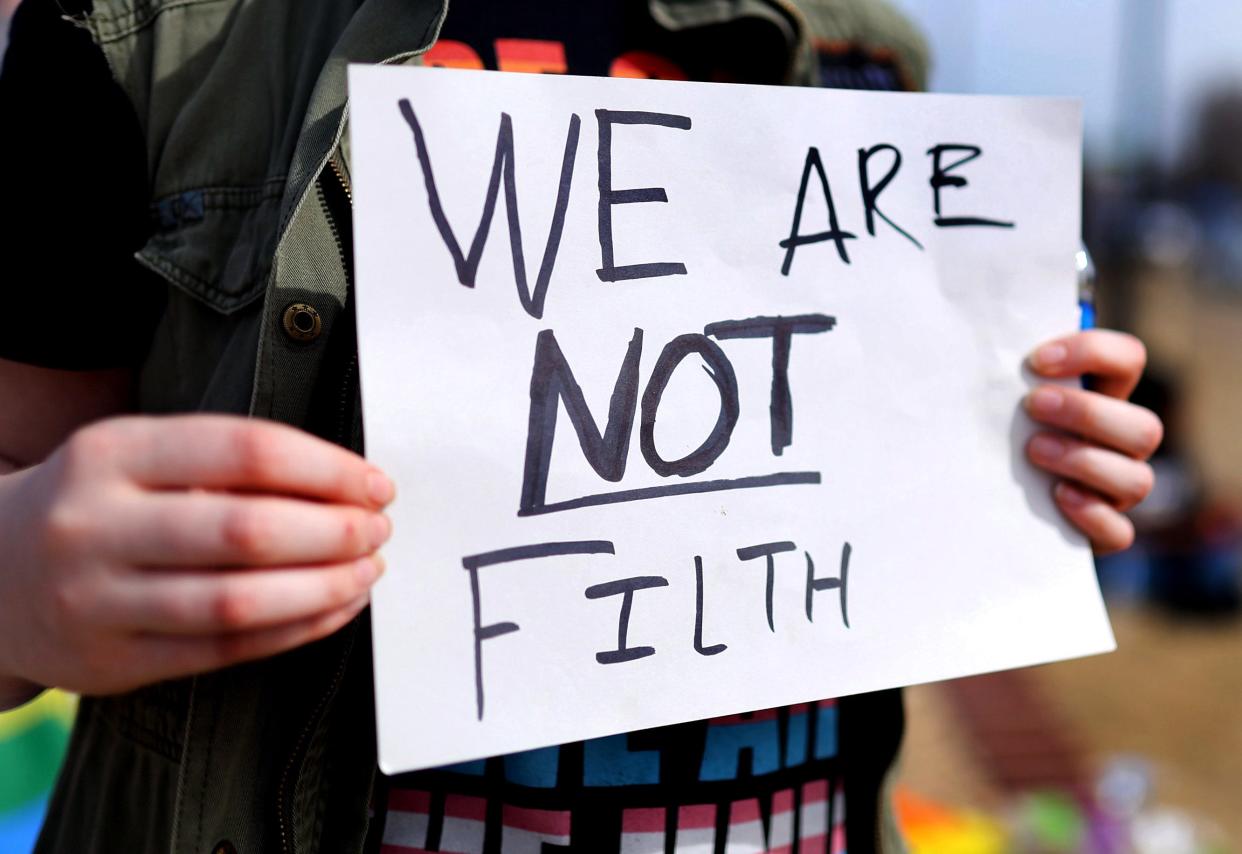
pixel 342 589
pixel 354 537
pixel 232 607
pixel 1085 345
pixel 71 603
pixel 67 528
pixel 1082 412
pixel 247 533
pixel 255 450
pixel 88 447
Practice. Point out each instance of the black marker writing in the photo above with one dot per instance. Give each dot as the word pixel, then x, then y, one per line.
pixel 646 493
pixel 871 193
pixel 608 197
pixel 552 381
pixel 834 232
pixel 781 330
pixel 503 167
pixel 721 372
pixel 941 178
pixel 767 551
pixel 473 563
pixel 815 585
pixel 698 613
pixel 625 587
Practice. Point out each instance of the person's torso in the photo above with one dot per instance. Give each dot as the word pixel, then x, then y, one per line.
pixel 252 211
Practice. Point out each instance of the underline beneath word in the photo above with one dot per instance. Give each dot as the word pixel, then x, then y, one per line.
pixel 788 478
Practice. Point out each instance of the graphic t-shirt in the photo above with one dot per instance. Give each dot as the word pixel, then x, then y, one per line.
pixel 770 781
pixel 766 781
pixel 612 38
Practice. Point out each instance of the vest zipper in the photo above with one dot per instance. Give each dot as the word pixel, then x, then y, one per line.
pixel 338 199
pixel 344 425
pixel 284 796
pixel 334 163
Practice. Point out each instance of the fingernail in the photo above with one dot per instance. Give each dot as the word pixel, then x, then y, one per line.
pixel 1070 495
pixel 381 530
pixel 379 488
pixel 1049 356
pixel 369 569
pixel 1047 448
pixel 1045 401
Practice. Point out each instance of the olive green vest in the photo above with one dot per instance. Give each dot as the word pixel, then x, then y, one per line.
pixel 242 103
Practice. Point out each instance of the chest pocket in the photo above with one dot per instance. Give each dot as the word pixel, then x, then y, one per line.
pixel 213 83
pixel 216 243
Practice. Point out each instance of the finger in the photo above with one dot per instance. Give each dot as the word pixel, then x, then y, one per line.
pixel 1116 424
pixel 1105 527
pixel 201 603
pixel 1115 359
pixel 225 529
pixel 1123 480
pixel 166 656
pixel 224 452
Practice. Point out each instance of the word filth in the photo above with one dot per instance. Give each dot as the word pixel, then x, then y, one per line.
pixel 946 160
pixel 628 590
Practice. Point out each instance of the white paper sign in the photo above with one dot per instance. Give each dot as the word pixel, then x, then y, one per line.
pixel 714 443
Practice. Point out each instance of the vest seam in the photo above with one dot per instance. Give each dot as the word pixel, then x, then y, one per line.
pixel 141 736
pixel 183 771
pixel 214 194
pixel 211 741
pixel 200 288
pixel 111 28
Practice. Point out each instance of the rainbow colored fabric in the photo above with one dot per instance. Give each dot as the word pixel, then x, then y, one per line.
pixel 32 744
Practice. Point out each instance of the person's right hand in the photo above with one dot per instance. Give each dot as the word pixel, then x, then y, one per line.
pixel 147 548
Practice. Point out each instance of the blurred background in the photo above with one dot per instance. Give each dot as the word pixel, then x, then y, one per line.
pixel 1139 751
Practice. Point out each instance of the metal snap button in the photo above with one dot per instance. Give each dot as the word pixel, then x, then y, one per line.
pixel 302 323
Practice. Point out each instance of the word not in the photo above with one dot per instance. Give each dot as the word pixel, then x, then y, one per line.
pixel 552 383
pixel 626 588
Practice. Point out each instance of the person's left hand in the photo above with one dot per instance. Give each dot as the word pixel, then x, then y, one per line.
pixel 1099 445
